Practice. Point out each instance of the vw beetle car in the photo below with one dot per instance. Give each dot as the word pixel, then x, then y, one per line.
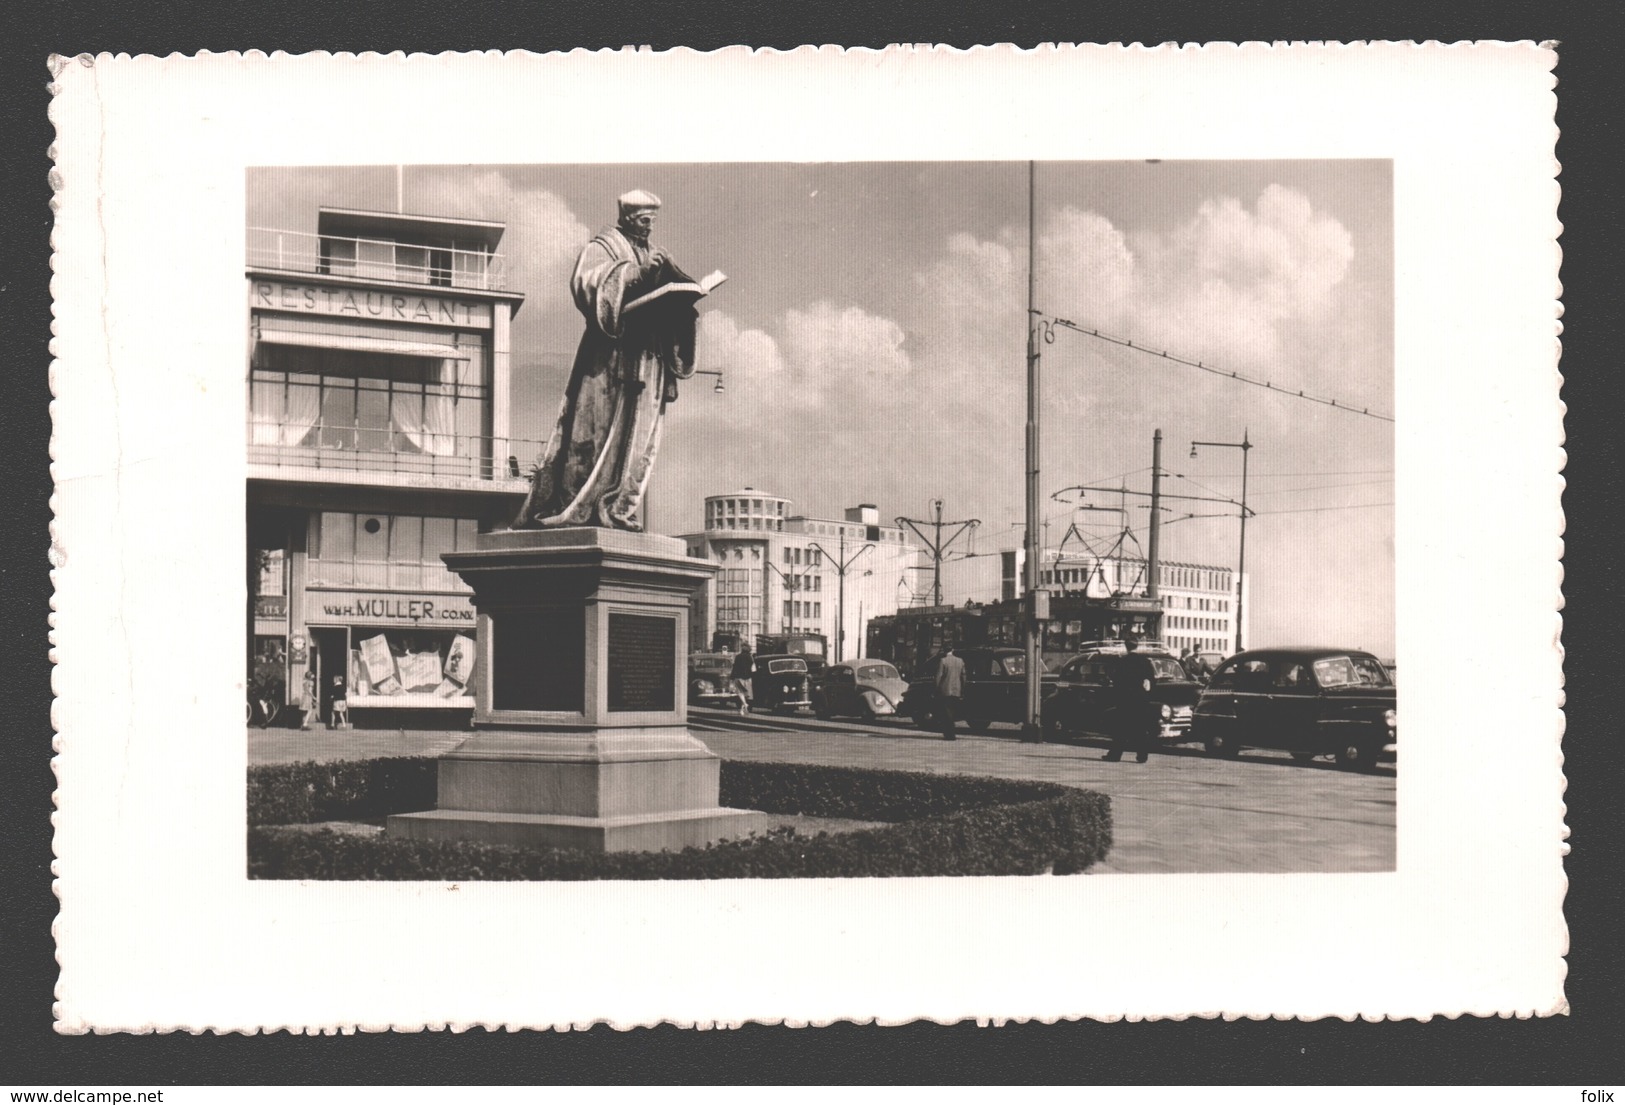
pixel 1083 700
pixel 858 688
pixel 780 684
pixel 1306 701
pixel 995 688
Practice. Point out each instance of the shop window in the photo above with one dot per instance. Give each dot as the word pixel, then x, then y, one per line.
pixel 393 662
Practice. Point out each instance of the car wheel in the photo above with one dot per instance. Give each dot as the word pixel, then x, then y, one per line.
pixel 1355 756
pixel 822 712
pixel 1054 728
pixel 1220 743
pixel 979 724
pixel 925 721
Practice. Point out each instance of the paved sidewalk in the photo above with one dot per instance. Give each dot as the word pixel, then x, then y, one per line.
pixel 1181 812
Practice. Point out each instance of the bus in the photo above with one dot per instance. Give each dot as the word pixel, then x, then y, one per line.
pixel 913 635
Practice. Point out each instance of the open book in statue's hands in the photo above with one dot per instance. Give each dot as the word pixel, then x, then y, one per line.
pixel 676 286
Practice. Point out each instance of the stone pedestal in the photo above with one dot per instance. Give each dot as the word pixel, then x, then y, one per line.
pixel 581 700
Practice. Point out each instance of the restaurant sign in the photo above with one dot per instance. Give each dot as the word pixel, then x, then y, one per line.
pixel 389 608
pixel 390 306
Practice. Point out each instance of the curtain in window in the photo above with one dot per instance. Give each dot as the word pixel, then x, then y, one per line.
pixel 439 411
pixel 282 414
pixel 428 419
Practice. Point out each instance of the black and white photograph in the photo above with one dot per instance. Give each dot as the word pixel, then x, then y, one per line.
pixel 845 554
pixel 529 504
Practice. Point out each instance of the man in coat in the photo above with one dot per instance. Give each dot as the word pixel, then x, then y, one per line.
pixel 1131 690
pixel 950 691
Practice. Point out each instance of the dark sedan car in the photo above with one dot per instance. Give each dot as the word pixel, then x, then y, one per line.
pixel 858 688
pixel 708 679
pixel 1307 701
pixel 1083 700
pixel 995 688
pixel 780 684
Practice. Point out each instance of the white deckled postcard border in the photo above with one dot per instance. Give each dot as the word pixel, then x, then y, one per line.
pixel 159 929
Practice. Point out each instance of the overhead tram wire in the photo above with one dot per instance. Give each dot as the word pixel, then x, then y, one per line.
pixel 1267 385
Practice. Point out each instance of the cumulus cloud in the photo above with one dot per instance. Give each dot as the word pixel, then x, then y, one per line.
pixel 830 343
pixel 543 235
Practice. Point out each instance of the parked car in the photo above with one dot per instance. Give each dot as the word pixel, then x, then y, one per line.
pixel 708 674
pixel 1307 701
pixel 995 688
pixel 1083 700
pixel 780 684
pixel 858 688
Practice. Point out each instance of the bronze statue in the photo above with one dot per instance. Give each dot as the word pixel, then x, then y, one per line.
pixel 639 341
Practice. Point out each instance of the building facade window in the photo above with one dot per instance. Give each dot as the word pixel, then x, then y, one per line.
pixel 366 402
pixel 383 551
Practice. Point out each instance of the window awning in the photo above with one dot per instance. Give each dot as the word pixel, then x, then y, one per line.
pixel 357 344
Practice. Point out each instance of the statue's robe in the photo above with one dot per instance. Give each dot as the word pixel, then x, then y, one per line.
pixel 598 459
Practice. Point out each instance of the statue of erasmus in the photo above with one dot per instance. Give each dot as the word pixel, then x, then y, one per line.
pixel 635 349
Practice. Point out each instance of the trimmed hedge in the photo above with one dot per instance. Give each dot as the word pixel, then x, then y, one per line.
pixel 351 790
pixel 948 825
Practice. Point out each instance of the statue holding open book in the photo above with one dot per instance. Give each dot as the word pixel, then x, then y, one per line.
pixel 639 341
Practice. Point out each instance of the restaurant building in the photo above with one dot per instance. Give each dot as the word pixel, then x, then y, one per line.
pixel 379 436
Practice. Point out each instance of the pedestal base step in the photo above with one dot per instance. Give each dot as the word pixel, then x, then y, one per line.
pixel 670 831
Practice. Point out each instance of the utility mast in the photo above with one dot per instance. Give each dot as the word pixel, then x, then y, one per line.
pixel 1152 569
pixel 936 544
pixel 1036 598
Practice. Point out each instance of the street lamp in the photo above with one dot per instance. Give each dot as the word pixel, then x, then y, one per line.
pixel 719 389
pixel 841 565
pixel 789 588
pixel 1241 567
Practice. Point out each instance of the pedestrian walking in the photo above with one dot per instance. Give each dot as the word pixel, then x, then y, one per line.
pixel 950 691
pixel 739 677
pixel 1132 680
pixel 308 699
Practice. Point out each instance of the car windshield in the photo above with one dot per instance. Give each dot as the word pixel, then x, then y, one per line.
pixel 1350 671
pixel 779 667
pixel 1167 667
pixel 877 671
pixel 1016 664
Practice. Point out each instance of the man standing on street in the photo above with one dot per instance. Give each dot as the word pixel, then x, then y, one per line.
pixel 1131 688
pixel 950 691
pixel 739 678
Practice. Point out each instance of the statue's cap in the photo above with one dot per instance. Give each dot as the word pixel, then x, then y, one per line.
pixel 638 200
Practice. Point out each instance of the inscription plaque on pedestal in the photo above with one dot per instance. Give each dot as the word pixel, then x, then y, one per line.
pixel 641 663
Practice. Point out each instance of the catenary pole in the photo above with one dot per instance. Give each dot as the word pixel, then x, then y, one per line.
pixel 1036 600
pixel 842 563
pixel 1153 569
pixel 936 544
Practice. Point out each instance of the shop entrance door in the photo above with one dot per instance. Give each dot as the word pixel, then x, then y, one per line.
pixel 330 657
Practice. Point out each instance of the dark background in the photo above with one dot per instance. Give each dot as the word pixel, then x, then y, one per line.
pixel 1578 1049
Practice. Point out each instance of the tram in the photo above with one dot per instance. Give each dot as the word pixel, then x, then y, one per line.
pixel 913 635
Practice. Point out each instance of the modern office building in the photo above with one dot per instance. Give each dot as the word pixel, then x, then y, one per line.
pixel 1198 601
pixel 379 436
pixel 782 572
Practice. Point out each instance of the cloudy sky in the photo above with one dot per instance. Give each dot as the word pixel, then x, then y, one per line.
pixel 872 335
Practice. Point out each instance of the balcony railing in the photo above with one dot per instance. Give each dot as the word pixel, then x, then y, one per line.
pixel 359 449
pixel 375 259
